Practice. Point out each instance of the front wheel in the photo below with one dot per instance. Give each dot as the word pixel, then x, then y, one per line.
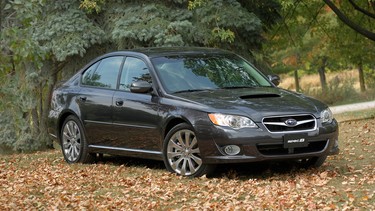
pixel 73 142
pixel 181 152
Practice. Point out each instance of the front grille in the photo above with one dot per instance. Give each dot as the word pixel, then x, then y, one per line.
pixel 278 149
pixel 281 124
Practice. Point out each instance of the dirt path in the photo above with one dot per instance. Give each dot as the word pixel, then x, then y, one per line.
pixel 352 107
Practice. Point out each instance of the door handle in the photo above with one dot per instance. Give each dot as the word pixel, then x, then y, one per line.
pixel 119 102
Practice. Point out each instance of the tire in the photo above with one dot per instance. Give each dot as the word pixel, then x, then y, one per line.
pixel 73 142
pixel 314 162
pixel 181 152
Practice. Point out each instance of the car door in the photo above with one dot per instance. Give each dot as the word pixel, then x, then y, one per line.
pixel 135 115
pixel 95 99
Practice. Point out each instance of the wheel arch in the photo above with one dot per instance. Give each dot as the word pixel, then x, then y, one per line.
pixel 61 120
pixel 172 122
pixel 188 116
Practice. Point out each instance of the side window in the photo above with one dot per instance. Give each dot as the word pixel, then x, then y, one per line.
pixel 134 70
pixel 103 73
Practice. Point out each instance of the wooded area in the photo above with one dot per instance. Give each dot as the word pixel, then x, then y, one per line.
pixel 43 42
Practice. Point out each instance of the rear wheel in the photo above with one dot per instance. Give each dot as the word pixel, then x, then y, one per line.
pixel 73 142
pixel 181 152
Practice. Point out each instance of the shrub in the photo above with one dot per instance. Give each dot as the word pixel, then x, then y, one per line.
pixel 370 78
pixel 337 92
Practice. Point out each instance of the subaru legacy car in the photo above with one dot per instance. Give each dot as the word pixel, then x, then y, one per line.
pixel 192 108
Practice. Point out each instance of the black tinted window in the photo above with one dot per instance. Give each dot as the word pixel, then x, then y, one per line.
pixel 103 73
pixel 134 70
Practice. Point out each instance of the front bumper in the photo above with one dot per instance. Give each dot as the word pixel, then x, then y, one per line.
pixel 261 145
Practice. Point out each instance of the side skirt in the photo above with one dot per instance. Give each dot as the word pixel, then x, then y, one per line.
pixel 138 153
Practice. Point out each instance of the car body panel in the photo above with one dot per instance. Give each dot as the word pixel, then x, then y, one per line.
pixel 255 102
pixel 138 126
pixel 96 111
pixel 136 121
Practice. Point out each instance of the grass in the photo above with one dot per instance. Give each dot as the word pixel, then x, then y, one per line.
pixel 355 115
pixel 44 181
pixel 313 80
pixel 343 87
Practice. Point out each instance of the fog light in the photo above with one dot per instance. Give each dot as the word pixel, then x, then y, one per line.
pixel 232 149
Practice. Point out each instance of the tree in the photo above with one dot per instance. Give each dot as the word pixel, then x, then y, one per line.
pixel 43 41
pixel 355 26
pixel 350 48
pixel 299 41
pixel 311 35
pixel 35 44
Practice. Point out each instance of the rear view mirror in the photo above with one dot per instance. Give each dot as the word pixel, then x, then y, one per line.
pixel 275 79
pixel 140 87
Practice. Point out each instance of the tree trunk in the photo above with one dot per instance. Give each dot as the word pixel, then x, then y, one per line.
pixel 296 77
pixel 35 119
pixel 1 16
pixel 296 80
pixel 322 74
pixel 361 77
pixel 46 98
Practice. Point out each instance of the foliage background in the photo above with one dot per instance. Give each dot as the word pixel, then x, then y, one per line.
pixel 45 41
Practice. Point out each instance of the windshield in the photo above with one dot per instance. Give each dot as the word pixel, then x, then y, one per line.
pixel 202 72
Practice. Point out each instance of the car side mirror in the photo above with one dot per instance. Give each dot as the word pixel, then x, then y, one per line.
pixel 275 79
pixel 140 87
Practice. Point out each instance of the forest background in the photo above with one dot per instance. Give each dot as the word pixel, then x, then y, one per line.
pixel 44 41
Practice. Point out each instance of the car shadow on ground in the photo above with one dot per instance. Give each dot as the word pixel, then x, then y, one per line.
pixel 130 162
pixel 257 170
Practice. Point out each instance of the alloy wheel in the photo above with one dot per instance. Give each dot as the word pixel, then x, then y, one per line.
pixel 183 153
pixel 71 141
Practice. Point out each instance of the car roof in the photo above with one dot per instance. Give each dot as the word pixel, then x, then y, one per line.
pixel 168 51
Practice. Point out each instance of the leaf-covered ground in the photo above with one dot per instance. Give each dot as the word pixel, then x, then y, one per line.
pixel 43 181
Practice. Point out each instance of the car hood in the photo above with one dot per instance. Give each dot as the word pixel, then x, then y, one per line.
pixel 255 102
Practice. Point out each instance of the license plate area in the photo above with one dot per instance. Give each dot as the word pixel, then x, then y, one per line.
pixel 295 140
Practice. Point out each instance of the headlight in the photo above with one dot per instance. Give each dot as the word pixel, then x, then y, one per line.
pixel 235 122
pixel 326 116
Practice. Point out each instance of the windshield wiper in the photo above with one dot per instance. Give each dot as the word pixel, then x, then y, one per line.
pixel 237 87
pixel 192 90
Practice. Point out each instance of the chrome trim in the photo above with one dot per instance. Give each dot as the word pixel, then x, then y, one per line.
pixel 119 124
pixel 283 123
pixel 138 126
pixel 298 123
pixel 126 149
pixel 98 122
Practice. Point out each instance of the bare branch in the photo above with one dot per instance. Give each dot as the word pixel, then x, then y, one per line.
pixel 315 19
pixel 372 15
pixel 370 35
pixel 296 2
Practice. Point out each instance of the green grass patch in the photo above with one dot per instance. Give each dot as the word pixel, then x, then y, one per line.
pixel 355 115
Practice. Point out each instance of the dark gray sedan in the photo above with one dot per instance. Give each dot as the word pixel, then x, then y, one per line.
pixel 190 107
